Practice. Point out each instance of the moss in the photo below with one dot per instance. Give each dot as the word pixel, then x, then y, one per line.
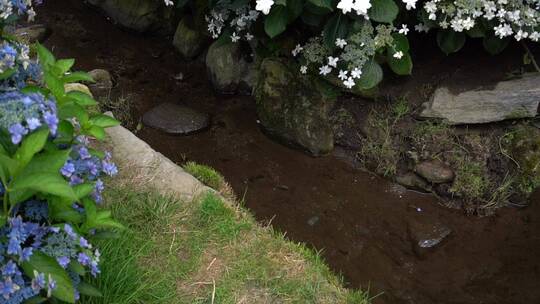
pixel 523 145
pixel 471 181
pixel 206 175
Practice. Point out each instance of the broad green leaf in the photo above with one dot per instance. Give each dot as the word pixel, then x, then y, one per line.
pixel 31 145
pixel 65 132
pixel 89 290
pixel 68 111
pixel 494 45
pixel 42 263
pixel 317 10
pixel 44 182
pixel 47 162
pixel 295 8
pixel 96 132
pixel 64 65
pixel 46 58
pixel 8 168
pixel 401 43
pixel 70 216
pixel 335 28
pixel 81 98
pixel 104 121
pixel 384 11
pixel 327 4
pixel 54 84
pixel 77 77
pixel 8 73
pixel 77 268
pixel 3 220
pixel 372 74
pixel 35 300
pixel 276 22
pixel 312 19
pixel 83 190
pixel 402 66
pixel 450 41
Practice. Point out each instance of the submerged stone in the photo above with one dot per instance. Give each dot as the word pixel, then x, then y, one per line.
pixel 175 119
pixel 103 83
pixel 426 234
pixel 511 99
pixel 294 108
pixel 138 15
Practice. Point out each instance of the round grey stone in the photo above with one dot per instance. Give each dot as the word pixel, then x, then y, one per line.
pixel 175 119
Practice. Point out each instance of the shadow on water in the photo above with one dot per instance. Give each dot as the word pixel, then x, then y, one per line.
pixel 365 226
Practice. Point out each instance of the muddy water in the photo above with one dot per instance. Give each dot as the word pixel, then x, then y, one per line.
pixel 363 224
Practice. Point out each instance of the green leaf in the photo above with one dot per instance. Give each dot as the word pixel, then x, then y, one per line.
pixel 64 65
pixel 384 11
pixel 46 58
pixel 295 8
pixel 31 145
pixel 89 290
pixel 494 45
pixel 54 84
pixel 3 220
pixel 8 73
pixel 83 190
pixel 68 111
pixel 77 268
pixel 97 132
pixel 42 263
pixel 50 183
pixel 372 74
pixel 65 132
pixel 77 77
pixel 8 168
pixel 310 18
pixel 104 121
pixel 401 66
pixel 335 28
pixel 450 41
pixel 81 98
pixel 35 300
pixel 401 43
pixel 327 4
pixel 276 22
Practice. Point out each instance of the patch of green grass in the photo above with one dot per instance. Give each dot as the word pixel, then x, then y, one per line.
pixel 471 181
pixel 379 150
pixel 193 252
pixel 205 174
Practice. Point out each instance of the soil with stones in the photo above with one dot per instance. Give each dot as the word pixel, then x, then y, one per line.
pixel 378 235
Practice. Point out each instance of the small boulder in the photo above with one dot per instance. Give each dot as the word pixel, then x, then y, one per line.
pixel 138 15
pixel 189 42
pixel 412 181
pixel 229 70
pixel 426 234
pixel 435 171
pixel 294 108
pixel 103 83
pixel 32 33
pixel 518 98
pixel 175 119
pixel 68 87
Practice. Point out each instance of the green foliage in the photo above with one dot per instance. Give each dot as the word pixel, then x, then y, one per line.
pixel 205 174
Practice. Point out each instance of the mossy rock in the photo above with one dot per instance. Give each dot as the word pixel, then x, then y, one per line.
pixel 188 41
pixel 138 15
pixel 295 108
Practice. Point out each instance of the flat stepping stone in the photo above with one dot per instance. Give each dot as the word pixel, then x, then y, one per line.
pixel 175 119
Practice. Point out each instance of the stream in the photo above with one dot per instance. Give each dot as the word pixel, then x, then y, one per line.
pixel 367 228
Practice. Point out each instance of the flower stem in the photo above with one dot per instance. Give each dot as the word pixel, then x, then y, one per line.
pixel 531 56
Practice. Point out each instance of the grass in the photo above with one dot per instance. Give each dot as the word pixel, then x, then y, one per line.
pixel 206 175
pixel 378 147
pixel 207 251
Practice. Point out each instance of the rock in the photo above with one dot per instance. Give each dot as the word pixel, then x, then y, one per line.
pixel 77 87
pixel 190 43
pixel 103 83
pixel 155 171
pixel 426 234
pixel 293 108
pixel 435 171
pixel 138 15
pixel 33 33
pixel 412 181
pixel 228 69
pixel 313 220
pixel 511 99
pixel 175 119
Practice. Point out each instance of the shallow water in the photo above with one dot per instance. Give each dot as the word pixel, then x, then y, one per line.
pixel 363 224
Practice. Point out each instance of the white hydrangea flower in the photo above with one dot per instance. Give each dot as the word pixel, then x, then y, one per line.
pixel 332 61
pixel 303 69
pixel 356 73
pixel 325 70
pixel 349 83
pixel 297 50
pixel 398 55
pixel 410 4
pixel 404 29
pixel 264 6
pixel 345 6
pixel 343 74
pixel 341 43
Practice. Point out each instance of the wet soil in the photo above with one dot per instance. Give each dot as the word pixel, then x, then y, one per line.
pixel 364 225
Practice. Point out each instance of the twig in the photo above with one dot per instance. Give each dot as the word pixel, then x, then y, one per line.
pixel 531 56
pixel 173 239
pixel 213 291
pixel 211 263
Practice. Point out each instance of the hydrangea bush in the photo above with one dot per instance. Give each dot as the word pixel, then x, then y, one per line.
pixel 349 40
pixel 50 177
